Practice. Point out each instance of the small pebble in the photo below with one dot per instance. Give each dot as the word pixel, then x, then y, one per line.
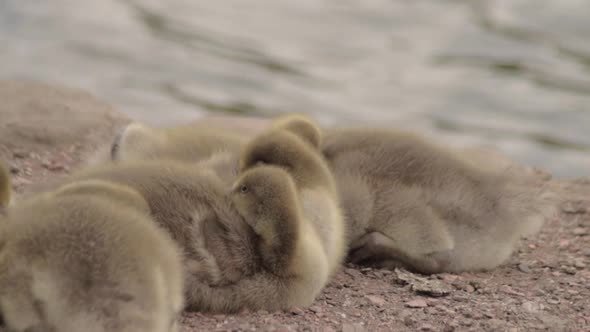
pixel 450 327
pixel 509 290
pixel 532 307
pixel 524 268
pixel 376 300
pixel 315 309
pixel 355 313
pixel 297 311
pixel 580 231
pixel 353 273
pixel 410 321
pixel 418 303
pixel 426 327
pixel 449 278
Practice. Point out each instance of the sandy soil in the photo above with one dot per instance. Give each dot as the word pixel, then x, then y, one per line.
pixel 45 132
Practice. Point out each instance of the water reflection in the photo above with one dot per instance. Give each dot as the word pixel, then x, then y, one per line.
pixel 513 74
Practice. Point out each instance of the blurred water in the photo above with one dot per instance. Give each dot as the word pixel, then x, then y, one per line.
pixel 513 74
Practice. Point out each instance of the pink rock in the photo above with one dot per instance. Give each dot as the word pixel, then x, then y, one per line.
pixel 376 300
pixel 417 303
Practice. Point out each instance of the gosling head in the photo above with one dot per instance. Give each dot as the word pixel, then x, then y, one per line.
pixel 302 126
pixel 263 192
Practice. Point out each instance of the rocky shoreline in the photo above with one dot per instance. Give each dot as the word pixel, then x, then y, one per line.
pixel 47 131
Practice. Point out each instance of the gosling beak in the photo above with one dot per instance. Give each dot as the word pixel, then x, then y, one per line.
pixel 234 189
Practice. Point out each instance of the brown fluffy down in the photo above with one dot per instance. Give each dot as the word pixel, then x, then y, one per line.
pixel 88 257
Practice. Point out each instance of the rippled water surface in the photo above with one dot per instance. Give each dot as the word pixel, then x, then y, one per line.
pixel 513 74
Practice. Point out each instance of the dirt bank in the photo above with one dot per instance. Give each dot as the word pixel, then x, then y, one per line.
pixel 47 131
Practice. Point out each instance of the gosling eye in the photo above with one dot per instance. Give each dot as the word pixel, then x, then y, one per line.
pixel 244 189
